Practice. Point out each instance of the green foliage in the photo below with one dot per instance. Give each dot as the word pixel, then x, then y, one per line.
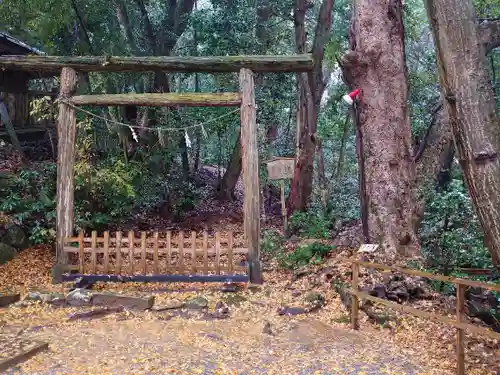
pixel 310 224
pixel 304 255
pixel 451 235
pixel 271 243
pixel 29 198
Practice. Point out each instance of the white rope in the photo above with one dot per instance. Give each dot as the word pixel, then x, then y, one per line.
pixel 161 128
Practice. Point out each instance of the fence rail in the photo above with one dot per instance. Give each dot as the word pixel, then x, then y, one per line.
pixel 156 253
pixel 459 323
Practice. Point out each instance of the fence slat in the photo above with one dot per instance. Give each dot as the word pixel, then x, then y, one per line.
pixel 217 253
pixel 460 332
pixel 155 253
pixel 208 255
pixel 143 253
pixel 131 237
pixel 354 298
pixel 169 250
pixel 106 252
pixel 94 253
pixel 193 252
pixel 230 262
pixel 118 248
pixel 199 251
pixel 81 245
pixel 181 252
pixel 205 253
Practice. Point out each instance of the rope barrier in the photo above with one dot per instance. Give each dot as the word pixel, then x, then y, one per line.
pixel 161 128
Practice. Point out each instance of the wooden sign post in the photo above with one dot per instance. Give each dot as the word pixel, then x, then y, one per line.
pixel 281 168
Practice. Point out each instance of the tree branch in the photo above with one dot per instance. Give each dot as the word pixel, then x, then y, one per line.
pixel 124 22
pixel 150 34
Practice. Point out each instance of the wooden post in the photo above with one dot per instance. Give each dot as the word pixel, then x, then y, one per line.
pixel 354 298
pixel 283 206
pixel 460 331
pixel 66 133
pixel 250 167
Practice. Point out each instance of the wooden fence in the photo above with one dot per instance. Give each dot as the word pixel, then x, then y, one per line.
pixel 156 253
pixel 459 323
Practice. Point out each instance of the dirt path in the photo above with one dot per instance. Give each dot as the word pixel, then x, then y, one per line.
pixel 216 347
pixel 186 342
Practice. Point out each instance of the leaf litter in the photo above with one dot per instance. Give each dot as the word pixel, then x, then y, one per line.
pixel 150 342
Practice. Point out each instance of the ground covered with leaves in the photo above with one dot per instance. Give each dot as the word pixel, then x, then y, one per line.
pixel 251 337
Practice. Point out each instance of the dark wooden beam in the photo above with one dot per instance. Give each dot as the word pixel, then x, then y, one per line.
pixel 161 100
pixel 53 64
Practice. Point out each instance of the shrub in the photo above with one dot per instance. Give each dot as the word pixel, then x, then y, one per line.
pixel 310 225
pixel 305 254
pixel 451 236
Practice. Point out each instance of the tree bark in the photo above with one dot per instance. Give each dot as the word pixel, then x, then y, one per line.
pixel 124 22
pixel 471 107
pixel 339 171
pixel 66 133
pixel 310 91
pixel 221 64
pixel 376 65
pixel 250 157
pixel 321 173
pixel 232 174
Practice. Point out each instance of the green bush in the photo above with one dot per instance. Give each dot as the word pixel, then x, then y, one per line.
pixel 451 236
pixel 28 197
pixel 271 243
pixel 304 255
pixel 310 225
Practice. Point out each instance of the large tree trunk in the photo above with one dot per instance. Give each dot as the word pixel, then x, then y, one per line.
pixel 310 91
pixel 470 103
pixel 376 65
pixel 434 152
pixel 228 183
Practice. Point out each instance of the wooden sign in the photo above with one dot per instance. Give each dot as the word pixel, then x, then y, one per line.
pixel 280 168
pixel 368 248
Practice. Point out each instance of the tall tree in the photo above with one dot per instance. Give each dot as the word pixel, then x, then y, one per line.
pixel 470 104
pixel 310 92
pixel 375 63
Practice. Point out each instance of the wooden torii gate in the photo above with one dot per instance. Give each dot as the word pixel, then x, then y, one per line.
pixel 69 67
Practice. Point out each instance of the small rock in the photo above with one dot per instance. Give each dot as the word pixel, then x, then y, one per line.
pixel 171 305
pixel 301 273
pixel 296 293
pixel 16 237
pixel 314 301
pixel 229 288
pixel 58 301
pixel 129 302
pixel 379 291
pixel 234 299
pixel 79 297
pixel 221 308
pixel 267 329
pixel 50 297
pixel 196 303
pixel 7 253
pixel 34 296
pixel 327 273
pixel 291 311
pixel 21 304
pixel 7 299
